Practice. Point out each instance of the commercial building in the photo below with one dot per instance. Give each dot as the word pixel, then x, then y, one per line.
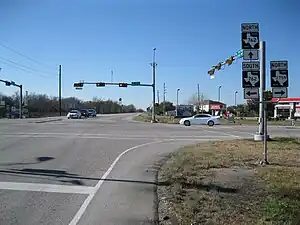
pixel 286 107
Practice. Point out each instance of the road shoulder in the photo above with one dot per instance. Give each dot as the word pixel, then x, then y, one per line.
pixel 222 183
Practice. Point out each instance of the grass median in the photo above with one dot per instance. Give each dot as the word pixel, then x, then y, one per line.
pixel 173 120
pixel 222 183
pixel 160 119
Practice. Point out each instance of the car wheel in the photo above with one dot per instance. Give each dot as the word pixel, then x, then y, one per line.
pixel 187 123
pixel 210 123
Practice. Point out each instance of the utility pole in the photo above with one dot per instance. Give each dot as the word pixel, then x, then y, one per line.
pixel 164 96
pixel 177 92
pixel 202 102
pixel 158 96
pixel 59 88
pixel 153 64
pixel 21 101
pixel 198 97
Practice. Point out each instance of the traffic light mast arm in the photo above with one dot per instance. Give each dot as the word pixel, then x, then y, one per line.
pixel 228 61
pixel 11 83
pixel 114 83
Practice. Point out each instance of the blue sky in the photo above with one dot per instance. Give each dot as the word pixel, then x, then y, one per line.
pixel 89 38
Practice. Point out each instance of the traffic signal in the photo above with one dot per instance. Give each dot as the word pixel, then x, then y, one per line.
pixel 218 66
pixel 7 83
pixel 211 72
pixel 122 85
pixel 229 61
pixel 268 95
pixel 100 84
pixel 80 85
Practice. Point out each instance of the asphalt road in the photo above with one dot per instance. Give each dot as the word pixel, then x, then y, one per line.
pixel 92 171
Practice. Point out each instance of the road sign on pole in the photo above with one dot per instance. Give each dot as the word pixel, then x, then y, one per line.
pixel 250 75
pixel 250 35
pixel 279 73
pixel 280 92
pixel 251 93
pixel 250 66
pixel 250 54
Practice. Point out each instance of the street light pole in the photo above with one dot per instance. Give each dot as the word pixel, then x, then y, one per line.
pixel 219 93
pixel 153 64
pixel 235 93
pixel 178 89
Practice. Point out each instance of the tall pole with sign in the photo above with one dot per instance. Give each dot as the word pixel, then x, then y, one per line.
pixel 254 71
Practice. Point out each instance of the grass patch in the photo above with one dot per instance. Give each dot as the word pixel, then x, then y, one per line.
pixel 222 183
pixel 160 119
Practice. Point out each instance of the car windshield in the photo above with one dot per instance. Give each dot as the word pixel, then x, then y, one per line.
pixel 74 111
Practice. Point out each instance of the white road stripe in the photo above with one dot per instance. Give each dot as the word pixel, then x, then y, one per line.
pixel 88 200
pixel 112 134
pixel 68 189
pixel 139 137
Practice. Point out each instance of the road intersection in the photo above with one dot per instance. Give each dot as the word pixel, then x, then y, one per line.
pixel 92 171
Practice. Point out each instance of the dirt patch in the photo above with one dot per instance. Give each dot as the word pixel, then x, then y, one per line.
pixel 223 183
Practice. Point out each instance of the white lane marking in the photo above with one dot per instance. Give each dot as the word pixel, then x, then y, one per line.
pixel 221 132
pixel 88 200
pixel 107 135
pixel 146 137
pixel 16 186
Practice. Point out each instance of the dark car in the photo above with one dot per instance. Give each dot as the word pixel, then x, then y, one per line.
pixel 92 112
pixel 84 112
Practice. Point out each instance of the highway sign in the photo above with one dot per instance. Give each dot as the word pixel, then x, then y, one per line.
pixel 279 78
pixel 135 83
pixel 279 73
pixel 279 65
pixel 250 35
pixel 249 27
pixel 251 93
pixel 280 92
pixel 250 66
pixel 250 79
pixel 250 54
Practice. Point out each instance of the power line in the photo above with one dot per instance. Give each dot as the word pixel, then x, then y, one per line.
pixel 26 67
pixel 25 56
pixel 24 70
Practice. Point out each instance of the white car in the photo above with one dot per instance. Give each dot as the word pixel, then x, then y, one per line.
pixel 74 114
pixel 201 119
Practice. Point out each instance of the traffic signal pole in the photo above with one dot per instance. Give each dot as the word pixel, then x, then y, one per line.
pixel 153 64
pixel 262 87
pixel 9 83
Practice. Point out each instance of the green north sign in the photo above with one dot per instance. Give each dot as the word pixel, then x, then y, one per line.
pixel 135 83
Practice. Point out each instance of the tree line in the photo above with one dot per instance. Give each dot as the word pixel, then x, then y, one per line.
pixel 41 105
